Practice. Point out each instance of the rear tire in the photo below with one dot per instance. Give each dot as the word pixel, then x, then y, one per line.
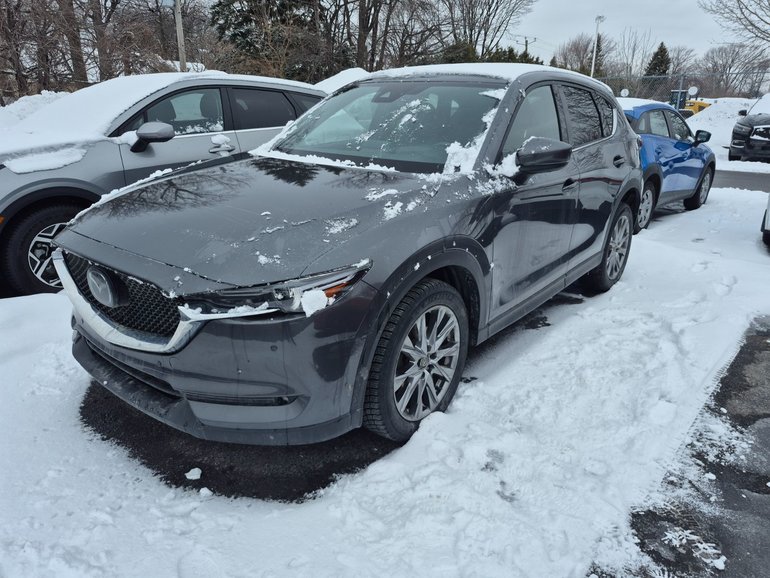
pixel 418 361
pixel 647 204
pixel 616 250
pixel 26 255
pixel 701 194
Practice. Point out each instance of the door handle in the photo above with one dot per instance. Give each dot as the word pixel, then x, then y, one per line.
pixel 569 185
pixel 619 161
pixel 223 148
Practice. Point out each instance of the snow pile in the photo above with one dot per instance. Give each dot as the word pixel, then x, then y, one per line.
pixel 26 106
pixel 531 473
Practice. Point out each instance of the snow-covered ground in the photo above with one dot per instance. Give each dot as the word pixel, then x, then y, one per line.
pixel 532 472
pixel 719 119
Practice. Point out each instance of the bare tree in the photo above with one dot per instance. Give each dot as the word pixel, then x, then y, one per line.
pixel 634 49
pixel 750 19
pixel 576 53
pixel 682 60
pixel 483 23
pixel 735 69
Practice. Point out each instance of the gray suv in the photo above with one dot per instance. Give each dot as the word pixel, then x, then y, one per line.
pixel 100 138
pixel 337 277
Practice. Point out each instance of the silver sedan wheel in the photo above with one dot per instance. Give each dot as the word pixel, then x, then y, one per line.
pixel 427 363
pixel 619 242
pixel 39 255
pixel 645 207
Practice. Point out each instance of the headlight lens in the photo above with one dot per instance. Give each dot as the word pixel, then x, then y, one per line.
pixel 284 297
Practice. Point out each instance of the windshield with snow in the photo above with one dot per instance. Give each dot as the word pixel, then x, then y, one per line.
pixel 406 125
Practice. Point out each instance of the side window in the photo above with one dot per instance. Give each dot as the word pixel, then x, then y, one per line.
pixel 253 108
pixel 190 112
pixel 536 117
pixel 586 125
pixel 305 101
pixel 679 129
pixel 607 112
pixel 653 122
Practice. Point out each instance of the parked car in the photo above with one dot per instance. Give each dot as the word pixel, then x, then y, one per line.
pixel 676 166
pixel 751 134
pixel 338 277
pixel 61 159
pixel 766 224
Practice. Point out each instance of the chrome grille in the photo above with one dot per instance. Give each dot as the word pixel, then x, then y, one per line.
pixel 148 309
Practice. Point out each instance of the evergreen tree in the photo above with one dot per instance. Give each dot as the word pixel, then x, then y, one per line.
pixel 659 63
pixel 553 62
pixel 510 55
pixel 458 52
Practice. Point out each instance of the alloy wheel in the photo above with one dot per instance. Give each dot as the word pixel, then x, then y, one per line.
pixel 645 208
pixel 705 186
pixel 618 248
pixel 427 363
pixel 40 252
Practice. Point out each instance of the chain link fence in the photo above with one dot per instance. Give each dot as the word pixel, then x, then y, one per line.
pixel 674 88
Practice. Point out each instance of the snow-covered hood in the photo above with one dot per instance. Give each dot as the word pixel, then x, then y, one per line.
pixel 252 221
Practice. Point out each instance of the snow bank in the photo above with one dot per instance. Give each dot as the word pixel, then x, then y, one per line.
pixel 531 473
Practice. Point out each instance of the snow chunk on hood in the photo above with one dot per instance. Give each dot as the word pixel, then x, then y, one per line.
pixel 46 161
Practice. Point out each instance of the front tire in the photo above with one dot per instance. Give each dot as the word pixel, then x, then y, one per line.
pixel 419 360
pixel 701 193
pixel 26 256
pixel 616 250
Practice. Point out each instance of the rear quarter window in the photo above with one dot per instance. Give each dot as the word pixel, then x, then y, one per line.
pixel 585 120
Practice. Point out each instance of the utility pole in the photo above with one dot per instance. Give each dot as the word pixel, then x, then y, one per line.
pixel 180 35
pixel 598 20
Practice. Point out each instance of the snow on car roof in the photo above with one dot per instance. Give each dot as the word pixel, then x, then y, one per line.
pixel 632 103
pixel 341 79
pixel 94 108
pixel 505 70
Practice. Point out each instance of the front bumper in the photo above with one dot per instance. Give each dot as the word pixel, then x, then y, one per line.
pixel 748 148
pixel 271 381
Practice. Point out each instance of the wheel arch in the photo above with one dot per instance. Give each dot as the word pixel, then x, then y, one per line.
pixel 458 261
pixel 40 199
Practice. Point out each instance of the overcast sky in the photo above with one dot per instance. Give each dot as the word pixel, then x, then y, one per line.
pixel 674 22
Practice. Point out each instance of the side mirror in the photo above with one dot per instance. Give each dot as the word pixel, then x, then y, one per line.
pixel 743 112
pixel 151 132
pixel 702 136
pixel 539 155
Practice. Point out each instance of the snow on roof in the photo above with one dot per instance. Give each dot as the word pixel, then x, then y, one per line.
pixel 505 70
pixel 340 79
pixel 94 108
pixel 631 103
pixel 85 116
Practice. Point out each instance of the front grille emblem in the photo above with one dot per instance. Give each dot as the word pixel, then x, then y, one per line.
pixel 103 287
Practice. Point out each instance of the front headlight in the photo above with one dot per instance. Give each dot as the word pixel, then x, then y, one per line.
pixel 305 294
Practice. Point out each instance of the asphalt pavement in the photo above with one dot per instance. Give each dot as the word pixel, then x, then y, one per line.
pixel 738 180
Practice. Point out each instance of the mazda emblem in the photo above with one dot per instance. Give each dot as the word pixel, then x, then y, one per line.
pixel 102 287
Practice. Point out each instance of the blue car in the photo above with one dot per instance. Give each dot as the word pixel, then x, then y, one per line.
pixel 676 166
